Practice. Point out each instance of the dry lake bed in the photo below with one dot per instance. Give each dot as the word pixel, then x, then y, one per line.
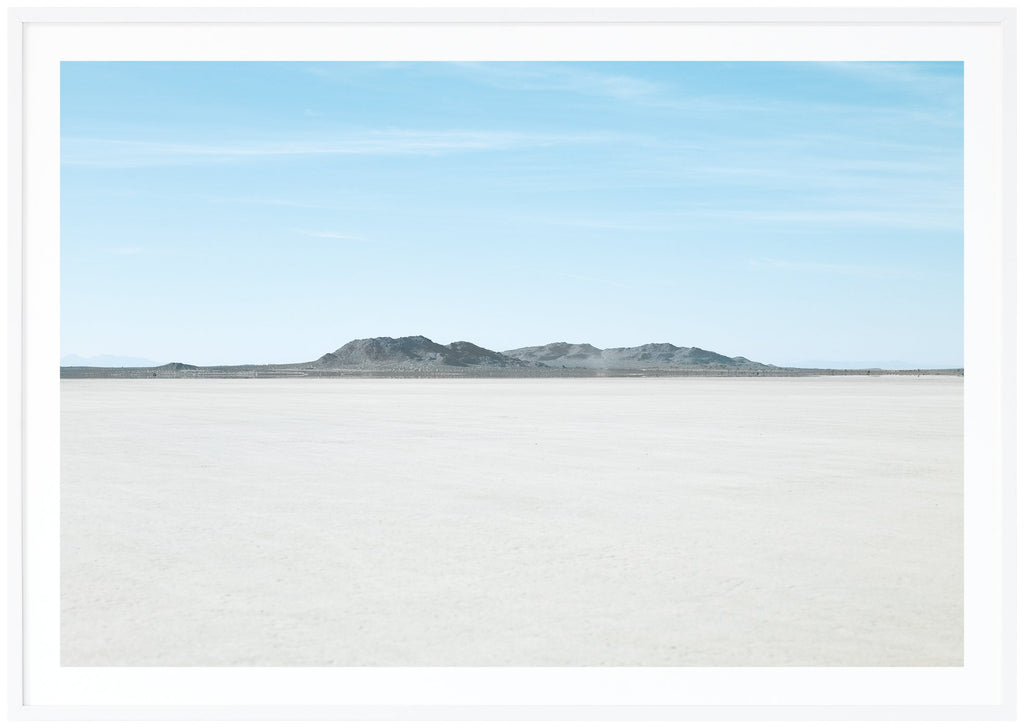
pixel 670 521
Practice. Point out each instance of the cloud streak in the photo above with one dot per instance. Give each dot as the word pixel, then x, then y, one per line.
pixel 817 268
pixel 327 234
pixel 592 279
pixel 561 78
pixel 910 218
pixel 125 250
pixel 622 87
pixel 92 152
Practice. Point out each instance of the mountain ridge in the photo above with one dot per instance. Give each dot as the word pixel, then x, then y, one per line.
pixel 645 356
pixel 418 356
pixel 414 352
pixel 418 353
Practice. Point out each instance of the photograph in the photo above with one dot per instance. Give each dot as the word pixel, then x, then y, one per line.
pixel 512 363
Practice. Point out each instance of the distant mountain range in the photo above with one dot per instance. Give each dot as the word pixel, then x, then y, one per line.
pixel 419 356
pixel 647 356
pixel 419 352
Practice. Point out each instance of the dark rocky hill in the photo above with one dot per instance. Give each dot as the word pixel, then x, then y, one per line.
pixel 467 354
pixel 413 352
pixel 557 354
pixel 176 366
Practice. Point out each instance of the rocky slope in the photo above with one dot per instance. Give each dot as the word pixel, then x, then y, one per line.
pixel 647 356
pixel 418 356
pixel 413 352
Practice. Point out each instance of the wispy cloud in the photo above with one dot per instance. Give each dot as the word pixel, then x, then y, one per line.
pixel 903 214
pixel 126 250
pixel 908 218
pixel 278 202
pixel 596 224
pixel 328 234
pixel 570 78
pixel 346 71
pixel 564 78
pixel 918 77
pixel 622 87
pixel 81 151
pixel 592 279
pixel 818 267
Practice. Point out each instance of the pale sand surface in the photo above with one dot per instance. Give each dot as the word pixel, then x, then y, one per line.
pixel 807 521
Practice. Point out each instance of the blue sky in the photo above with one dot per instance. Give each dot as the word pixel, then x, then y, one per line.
pixel 219 213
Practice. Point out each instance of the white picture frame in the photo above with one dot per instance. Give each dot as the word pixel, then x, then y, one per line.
pixel 983 689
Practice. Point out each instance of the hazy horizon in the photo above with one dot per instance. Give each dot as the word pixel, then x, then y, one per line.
pixel 127 360
pixel 262 212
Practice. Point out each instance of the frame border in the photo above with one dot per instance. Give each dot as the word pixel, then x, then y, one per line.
pixel 16 406
pixel 18 18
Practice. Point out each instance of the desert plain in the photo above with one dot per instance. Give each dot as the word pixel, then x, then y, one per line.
pixel 812 521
